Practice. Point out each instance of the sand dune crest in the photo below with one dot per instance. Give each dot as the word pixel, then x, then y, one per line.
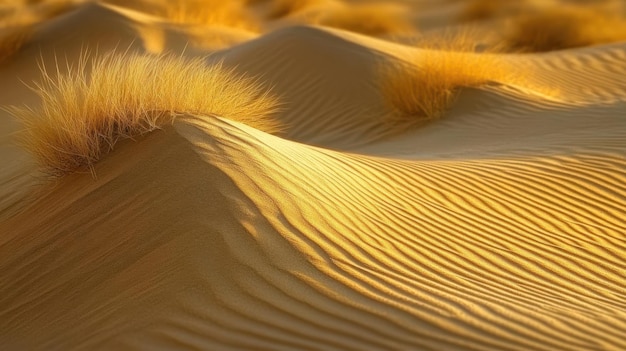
pixel 497 226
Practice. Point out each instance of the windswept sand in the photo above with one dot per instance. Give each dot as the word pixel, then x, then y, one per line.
pixel 500 226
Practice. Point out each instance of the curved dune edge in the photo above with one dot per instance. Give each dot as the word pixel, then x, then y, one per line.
pixel 500 226
pixel 383 254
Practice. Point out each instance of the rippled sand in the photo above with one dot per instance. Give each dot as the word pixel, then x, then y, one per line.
pixel 500 226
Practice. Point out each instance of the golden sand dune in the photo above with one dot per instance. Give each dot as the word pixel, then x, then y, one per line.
pixel 497 225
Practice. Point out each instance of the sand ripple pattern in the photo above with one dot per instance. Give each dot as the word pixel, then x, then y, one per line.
pixel 507 253
pixel 500 227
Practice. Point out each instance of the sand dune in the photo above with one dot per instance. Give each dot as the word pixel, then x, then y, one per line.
pixel 498 226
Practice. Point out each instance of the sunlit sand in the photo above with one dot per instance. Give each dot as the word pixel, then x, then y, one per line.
pixel 313 175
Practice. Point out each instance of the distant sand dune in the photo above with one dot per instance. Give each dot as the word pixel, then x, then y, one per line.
pixel 566 27
pixel 592 74
pixel 18 22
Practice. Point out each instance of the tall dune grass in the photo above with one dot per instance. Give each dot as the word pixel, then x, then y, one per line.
pixel 425 88
pixel 565 27
pixel 83 115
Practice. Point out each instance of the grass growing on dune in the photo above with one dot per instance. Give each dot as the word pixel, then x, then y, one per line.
pixel 425 88
pixel 83 115
pixel 563 28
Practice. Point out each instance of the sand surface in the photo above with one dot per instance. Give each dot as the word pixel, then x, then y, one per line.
pixel 501 226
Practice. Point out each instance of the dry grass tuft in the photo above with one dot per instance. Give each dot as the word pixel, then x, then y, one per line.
pixel 83 115
pixel 563 28
pixel 369 19
pixel 469 39
pixel 425 89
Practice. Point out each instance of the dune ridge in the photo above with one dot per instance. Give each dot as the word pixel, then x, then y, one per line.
pixel 372 272
pixel 499 225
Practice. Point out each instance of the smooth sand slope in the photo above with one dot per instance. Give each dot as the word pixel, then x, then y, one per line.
pixel 500 226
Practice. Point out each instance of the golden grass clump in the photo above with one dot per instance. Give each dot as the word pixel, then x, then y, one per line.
pixel 563 28
pixel 370 19
pixel 426 88
pixel 83 115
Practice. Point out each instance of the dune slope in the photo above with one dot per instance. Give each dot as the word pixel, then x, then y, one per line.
pixel 499 226
pixel 213 249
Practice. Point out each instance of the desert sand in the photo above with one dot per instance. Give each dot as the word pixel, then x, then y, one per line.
pixel 498 225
